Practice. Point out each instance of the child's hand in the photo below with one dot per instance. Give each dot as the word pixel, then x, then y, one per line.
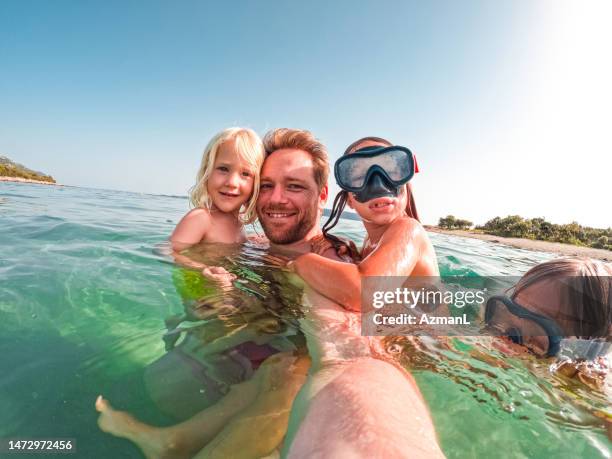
pixel 220 275
pixel 593 373
pixel 346 250
pixel 320 244
pixel 277 260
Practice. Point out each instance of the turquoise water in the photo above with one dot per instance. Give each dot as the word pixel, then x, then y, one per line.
pixel 84 296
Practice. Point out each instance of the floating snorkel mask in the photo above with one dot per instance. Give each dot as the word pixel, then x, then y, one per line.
pixel 375 172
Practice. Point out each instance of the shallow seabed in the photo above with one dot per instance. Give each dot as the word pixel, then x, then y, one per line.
pixel 84 296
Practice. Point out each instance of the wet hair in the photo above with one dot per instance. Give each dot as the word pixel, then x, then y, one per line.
pixel 587 285
pixel 299 139
pixel 342 197
pixel 249 147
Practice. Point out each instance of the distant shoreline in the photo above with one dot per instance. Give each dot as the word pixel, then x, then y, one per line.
pixel 530 244
pixel 25 180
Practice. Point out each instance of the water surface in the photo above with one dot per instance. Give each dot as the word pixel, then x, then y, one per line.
pixel 84 304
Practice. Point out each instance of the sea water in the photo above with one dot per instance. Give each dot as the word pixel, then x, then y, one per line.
pixel 85 298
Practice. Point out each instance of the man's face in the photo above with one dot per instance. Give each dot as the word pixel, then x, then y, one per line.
pixel 289 200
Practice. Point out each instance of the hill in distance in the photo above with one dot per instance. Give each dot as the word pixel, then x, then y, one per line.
pixel 9 168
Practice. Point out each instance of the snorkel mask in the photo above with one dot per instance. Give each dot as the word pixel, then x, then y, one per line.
pixel 542 335
pixel 375 172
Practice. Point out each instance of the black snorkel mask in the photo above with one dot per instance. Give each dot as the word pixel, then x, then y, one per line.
pixel 375 172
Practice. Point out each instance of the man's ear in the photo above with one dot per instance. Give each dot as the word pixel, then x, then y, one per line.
pixel 323 195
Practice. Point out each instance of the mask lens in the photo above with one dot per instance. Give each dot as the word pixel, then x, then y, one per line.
pixel 352 170
pixel 353 173
pixel 499 319
pixel 396 164
pixel 524 331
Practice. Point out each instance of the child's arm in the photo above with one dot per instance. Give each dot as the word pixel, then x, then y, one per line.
pixel 396 254
pixel 190 230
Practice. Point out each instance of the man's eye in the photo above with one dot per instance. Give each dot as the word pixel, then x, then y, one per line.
pixel 294 186
pixel 265 185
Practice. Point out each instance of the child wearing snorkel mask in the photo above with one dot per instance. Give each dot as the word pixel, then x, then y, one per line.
pixel 561 308
pixel 374 176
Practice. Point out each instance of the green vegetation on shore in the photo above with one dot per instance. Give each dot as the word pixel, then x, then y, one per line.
pixel 9 168
pixel 536 228
pixel 452 222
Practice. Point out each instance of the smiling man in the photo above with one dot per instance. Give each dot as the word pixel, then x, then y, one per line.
pixel 293 187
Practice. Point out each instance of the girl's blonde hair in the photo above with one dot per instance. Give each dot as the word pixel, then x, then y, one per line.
pixel 249 148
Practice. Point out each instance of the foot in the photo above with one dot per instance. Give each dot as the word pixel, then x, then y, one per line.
pixel 151 440
pixel 117 423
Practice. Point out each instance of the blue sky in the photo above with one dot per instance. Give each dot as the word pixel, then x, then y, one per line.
pixel 506 104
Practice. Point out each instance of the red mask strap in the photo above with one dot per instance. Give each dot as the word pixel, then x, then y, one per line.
pixel 416 165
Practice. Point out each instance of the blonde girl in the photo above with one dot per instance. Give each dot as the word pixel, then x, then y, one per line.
pixel 225 192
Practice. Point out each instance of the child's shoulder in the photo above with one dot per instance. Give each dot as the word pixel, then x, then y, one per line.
pixel 199 213
pixel 407 224
pixel 191 229
pixel 199 217
pixel 405 229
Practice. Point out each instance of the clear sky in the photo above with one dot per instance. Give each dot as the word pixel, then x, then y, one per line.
pixel 507 104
